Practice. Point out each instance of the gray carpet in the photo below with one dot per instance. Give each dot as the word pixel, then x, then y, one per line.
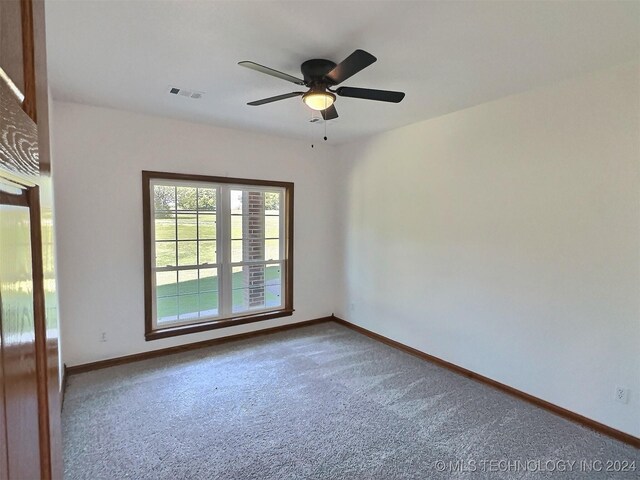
pixel 318 402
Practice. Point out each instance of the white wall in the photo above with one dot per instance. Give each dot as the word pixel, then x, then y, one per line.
pixel 99 156
pixel 506 239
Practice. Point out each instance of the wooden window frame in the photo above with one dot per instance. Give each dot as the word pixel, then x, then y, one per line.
pixel 285 310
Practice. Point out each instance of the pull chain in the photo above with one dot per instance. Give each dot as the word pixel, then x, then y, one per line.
pixel 325 130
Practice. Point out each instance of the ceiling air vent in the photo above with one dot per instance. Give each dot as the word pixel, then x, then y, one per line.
pixel 183 92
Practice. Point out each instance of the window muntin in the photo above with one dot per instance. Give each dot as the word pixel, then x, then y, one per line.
pixel 219 251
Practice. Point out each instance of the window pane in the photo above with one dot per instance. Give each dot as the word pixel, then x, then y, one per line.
pixel 273 288
pixel 187 253
pixel 208 296
pixel 236 226
pixel 165 254
pixel 187 198
pixel 236 251
pixel 239 301
pixel 273 274
pixel 208 279
pixel 245 299
pixel 165 228
pixel 188 307
pixel 272 249
pixel 208 304
pixel 273 296
pixel 207 252
pixel 272 202
pixel 167 309
pixel 237 280
pixel 248 288
pixel 236 201
pixel 187 226
pixel 187 281
pixel 272 226
pixel 207 226
pixel 206 199
pixel 166 284
pixel 164 198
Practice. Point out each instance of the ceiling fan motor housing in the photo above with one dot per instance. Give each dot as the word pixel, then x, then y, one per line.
pixel 314 70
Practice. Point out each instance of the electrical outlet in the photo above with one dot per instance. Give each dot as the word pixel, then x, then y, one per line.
pixel 621 394
pixel 103 337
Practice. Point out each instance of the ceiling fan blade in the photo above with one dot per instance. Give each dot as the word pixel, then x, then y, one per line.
pixel 351 65
pixel 275 99
pixel 329 113
pixel 369 94
pixel 270 71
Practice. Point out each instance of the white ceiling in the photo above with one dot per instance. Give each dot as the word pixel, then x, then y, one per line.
pixel 445 55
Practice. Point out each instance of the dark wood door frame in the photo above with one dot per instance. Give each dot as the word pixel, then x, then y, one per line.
pixel 25 169
pixel 29 198
pixel 39 315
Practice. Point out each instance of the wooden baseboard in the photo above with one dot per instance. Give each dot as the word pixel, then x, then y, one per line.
pixel 87 367
pixel 563 412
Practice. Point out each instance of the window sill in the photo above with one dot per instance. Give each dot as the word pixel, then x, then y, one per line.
pixel 212 325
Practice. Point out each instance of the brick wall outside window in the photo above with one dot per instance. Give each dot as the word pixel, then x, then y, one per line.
pixel 253 247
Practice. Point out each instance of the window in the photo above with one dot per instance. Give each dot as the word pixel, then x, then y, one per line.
pixel 218 252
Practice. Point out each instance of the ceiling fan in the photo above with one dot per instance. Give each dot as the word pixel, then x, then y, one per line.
pixel 320 76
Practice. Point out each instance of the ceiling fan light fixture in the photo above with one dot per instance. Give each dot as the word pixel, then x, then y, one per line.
pixel 318 100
